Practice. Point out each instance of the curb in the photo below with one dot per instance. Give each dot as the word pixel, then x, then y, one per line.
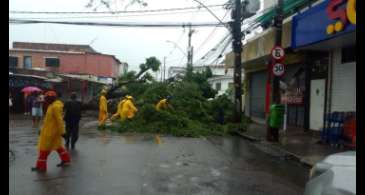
pixel 248 137
pixel 289 155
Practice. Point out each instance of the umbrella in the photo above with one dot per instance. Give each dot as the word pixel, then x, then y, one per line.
pixel 30 89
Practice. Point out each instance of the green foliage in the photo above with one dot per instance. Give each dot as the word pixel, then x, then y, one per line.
pixel 201 79
pixel 191 113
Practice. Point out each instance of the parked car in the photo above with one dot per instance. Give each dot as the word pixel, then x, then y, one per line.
pixel 335 175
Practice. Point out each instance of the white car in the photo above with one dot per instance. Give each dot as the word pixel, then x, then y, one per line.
pixel 335 175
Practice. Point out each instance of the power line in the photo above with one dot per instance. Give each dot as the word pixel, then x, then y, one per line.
pixel 251 22
pixel 111 16
pixel 115 12
pixel 211 34
pixel 113 24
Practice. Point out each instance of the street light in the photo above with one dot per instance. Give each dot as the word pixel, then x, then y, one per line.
pixel 176 45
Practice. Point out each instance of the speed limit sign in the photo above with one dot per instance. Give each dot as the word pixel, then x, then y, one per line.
pixel 278 53
pixel 278 69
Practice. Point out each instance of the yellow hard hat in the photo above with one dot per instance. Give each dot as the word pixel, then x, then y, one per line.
pixel 129 97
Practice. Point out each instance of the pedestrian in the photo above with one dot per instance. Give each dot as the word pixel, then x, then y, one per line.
pixel 72 118
pixel 103 109
pixel 41 101
pixel 50 137
pixel 118 114
pixel 27 103
pixel 128 109
pixel 45 104
pixel 37 112
pixel 163 103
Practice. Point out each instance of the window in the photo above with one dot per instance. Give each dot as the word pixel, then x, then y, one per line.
pixel 218 86
pixel 13 61
pixel 348 54
pixel 52 62
pixel 27 62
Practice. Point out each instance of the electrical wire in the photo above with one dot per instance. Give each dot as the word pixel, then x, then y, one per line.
pixel 111 16
pixel 114 24
pixel 251 22
pixel 211 34
pixel 115 12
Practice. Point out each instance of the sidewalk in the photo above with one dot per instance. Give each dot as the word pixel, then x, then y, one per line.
pixel 297 144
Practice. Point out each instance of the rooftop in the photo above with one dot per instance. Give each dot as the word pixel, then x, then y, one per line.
pixel 53 46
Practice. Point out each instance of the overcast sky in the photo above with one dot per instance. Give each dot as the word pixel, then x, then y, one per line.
pixel 131 45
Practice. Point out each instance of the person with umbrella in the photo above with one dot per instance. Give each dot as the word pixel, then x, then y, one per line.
pixel 28 98
pixel 50 137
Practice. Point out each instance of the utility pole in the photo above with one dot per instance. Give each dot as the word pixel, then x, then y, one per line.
pixel 237 49
pixel 273 133
pixel 278 24
pixel 190 52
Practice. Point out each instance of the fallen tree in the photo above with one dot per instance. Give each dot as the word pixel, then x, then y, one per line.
pixel 196 111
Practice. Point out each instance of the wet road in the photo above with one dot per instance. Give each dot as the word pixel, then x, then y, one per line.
pixel 112 164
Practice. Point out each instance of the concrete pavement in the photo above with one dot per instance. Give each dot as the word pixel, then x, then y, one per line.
pixel 295 143
pixel 109 163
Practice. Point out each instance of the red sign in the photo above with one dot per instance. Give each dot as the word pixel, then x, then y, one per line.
pixel 292 99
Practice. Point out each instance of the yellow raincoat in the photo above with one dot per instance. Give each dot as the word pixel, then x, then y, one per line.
pixel 119 110
pixel 162 104
pixel 53 128
pixel 103 110
pixel 128 110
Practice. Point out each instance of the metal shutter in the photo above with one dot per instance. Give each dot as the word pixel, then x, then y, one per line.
pixel 257 94
pixel 343 85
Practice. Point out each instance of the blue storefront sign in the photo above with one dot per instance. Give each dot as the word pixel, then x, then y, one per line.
pixel 329 19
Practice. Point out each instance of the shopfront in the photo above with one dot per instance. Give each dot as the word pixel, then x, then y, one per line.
pixel 328 30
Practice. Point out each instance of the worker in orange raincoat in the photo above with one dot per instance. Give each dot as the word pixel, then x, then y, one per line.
pixel 103 108
pixel 163 104
pixel 51 134
pixel 119 109
pixel 128 109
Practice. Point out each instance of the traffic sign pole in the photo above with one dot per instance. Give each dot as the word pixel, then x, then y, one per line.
pixel 273 133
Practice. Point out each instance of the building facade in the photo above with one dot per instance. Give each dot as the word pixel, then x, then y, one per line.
pixel 320 66
pixel 317 30
pixel 62 58
pixel 60 67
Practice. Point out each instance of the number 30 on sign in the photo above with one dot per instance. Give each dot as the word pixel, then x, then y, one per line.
pixel 278 69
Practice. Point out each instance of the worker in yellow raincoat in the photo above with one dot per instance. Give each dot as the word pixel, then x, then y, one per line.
pixel 163 104
pixel 103 108
pixel 119 109
pixel 51 134
pixel 128 109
